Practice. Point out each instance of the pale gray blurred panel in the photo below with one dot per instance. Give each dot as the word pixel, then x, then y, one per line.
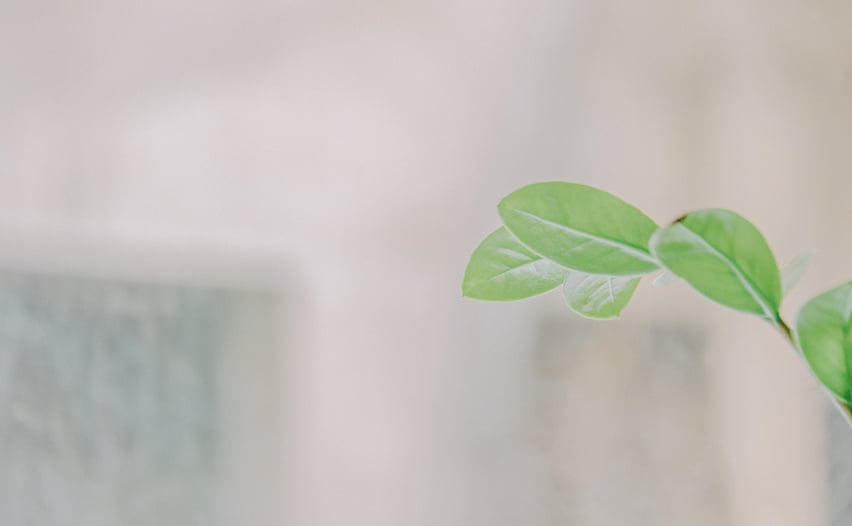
pixel 625 424
pixel 111 399
pixel 839 469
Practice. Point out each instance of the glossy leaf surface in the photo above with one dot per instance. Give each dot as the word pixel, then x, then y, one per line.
pixel 725 258
pixel 502 269
pixel 598 297
pixel 824 331
pixel 581 228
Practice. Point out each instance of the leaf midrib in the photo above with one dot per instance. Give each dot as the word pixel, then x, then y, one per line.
pixel 530 262
pixel 639 252
pixel 750 286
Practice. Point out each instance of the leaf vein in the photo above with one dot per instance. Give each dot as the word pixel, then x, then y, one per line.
pixel 618 245
pixel 750 287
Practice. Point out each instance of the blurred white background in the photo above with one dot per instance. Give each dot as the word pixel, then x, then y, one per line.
pixel 346 157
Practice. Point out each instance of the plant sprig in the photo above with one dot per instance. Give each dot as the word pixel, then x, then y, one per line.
pixel 598 247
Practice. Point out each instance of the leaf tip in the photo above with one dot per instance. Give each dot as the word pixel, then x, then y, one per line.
pixel 465 289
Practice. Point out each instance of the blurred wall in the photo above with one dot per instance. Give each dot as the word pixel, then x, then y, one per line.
pixel 365 145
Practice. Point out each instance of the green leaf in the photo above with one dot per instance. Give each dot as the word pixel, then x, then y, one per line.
pixel 725 258
pixel 598 297
pixel 795 271
pixel 824 330
pixel 581 228
pixel 502 269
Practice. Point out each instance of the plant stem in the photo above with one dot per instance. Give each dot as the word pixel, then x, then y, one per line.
pixel 844 408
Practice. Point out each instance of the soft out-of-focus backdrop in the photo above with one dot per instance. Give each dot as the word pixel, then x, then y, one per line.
pixel 232 236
